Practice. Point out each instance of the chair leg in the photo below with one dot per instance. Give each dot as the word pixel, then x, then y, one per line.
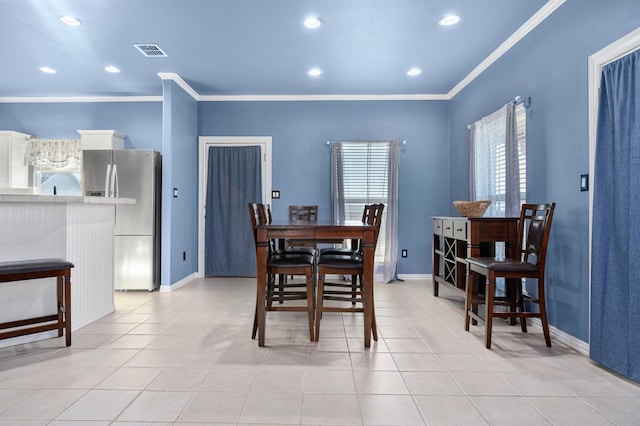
pixel 271 282
pixel 255 322
pixel 282 279
pixel 374 325
pixel 543 312
pixel 488 306
pixel 354 288
pixel 319 304
pixel 520 304
pixel 467 300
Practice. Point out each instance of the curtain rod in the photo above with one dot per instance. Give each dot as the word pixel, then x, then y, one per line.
pixel 329 142
pixel 518 100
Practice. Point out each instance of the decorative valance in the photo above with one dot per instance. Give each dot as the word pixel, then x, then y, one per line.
pixel 53 152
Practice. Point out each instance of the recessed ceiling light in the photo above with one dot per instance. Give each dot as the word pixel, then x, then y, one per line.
pixel 414 71
pixel 70 20
pixel 112 69
pixel 47 70
pixel 314 72
pixel 312 22
pixel 449 20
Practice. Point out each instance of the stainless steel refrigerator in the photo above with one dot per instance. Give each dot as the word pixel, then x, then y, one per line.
pixel 130 173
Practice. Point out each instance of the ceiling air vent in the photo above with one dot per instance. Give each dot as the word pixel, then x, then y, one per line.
pixel 150 50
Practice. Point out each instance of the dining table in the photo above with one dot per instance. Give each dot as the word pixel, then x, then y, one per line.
pixel 320 231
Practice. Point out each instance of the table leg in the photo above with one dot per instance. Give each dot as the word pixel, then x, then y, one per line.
pixel 261 283
pixel 368 252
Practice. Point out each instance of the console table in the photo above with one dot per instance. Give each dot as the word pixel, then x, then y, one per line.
pixel 457 238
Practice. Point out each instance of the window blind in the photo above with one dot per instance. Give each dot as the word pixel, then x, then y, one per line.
pixel 365 180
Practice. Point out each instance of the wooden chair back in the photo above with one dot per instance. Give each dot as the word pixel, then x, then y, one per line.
pixel 309 213
pixel 534 228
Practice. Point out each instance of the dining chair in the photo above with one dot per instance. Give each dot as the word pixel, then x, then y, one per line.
pixel 307 213
pixel 283 263
pixel 534 227
pixel 344 297
pixel 280 247
pixel 354 248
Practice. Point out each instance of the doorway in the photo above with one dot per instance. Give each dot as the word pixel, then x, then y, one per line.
pixel 205 142
pixel 610 53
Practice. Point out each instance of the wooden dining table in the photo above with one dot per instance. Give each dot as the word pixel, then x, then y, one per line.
pixel 319 231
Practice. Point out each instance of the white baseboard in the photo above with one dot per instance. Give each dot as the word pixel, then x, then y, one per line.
pixel 179 284
pixel 569 340
pixel 408 277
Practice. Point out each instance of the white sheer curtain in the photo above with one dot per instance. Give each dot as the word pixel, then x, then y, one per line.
pixel 390 268
pixel 364 173
pixel 495 168
pixel 53 152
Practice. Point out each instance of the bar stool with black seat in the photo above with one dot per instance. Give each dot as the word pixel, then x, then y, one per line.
pixel 349 298
pixel 353 249
pixel 282 263
pixel 307 213
pixel 534 227
pixel 279 246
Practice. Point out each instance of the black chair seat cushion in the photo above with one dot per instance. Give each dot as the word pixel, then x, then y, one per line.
pixel 291 260
pixel 297 250
pixel 338 250
pixel 346 261
pixel 36 265
pixel 502 265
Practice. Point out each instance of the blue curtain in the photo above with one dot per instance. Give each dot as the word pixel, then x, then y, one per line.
pixel 234 180
pixel 615 273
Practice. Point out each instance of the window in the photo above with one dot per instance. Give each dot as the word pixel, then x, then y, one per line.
pixel 365 177
pixel 492 178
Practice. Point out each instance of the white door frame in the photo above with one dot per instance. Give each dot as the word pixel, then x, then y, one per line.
pixel 615 50
pixel 204 143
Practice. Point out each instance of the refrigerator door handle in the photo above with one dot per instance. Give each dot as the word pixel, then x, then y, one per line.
pixel 114 181
pixel 107 187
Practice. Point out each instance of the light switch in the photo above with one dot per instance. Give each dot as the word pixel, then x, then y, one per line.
pixel 584 182
pixel 175 192
pixel 275 194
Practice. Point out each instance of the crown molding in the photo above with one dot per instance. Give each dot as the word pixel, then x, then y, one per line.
pixel 180 82
pixel 520 33
pixel 293 98
pixel 77 99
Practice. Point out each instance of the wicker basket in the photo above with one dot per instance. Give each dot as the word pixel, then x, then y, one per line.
pixel 472 208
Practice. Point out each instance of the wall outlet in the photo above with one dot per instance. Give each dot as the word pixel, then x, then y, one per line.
pixel 404 253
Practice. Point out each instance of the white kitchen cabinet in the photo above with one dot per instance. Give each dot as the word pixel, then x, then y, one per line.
pixel 14 173
pixel 101 139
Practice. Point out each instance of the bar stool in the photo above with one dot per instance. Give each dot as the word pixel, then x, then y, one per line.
pixel 534 227
pixel 283 263
pixel 343 293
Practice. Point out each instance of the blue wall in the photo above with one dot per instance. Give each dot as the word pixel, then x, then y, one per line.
pixel 550 65
pixel 179 171
pixel 141 121
pixel 301 158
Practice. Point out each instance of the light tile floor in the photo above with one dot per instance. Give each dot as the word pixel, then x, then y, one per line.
pixel 186 357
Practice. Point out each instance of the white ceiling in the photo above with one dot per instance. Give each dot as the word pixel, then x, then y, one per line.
pixel 256 48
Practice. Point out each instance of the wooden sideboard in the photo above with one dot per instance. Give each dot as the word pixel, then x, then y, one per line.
pixel 457 238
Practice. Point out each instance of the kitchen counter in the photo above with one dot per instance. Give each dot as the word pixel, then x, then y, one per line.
pixel 76 228
pixel 65 199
